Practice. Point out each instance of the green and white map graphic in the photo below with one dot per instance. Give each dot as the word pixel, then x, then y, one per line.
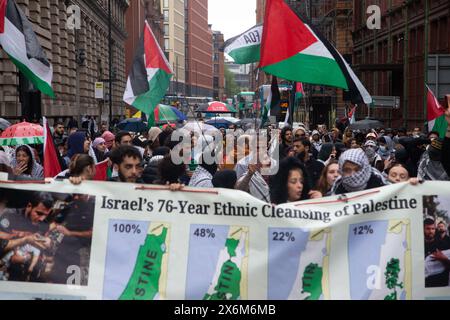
pixel 217 265
pixel 298 264
pixel 139 270
pixel 380 260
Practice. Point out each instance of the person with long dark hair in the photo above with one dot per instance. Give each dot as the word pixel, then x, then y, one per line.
pixel 25 166
pixel 290 184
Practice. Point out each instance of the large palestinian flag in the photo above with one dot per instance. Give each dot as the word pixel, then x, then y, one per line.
pixel 293 50
pixel 149 76
pixel 245 48
pixel 21 44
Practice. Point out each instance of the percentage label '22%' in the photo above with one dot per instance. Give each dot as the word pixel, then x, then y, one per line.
pixel 127 228
pixel 204 233
pixel 283 236
pixel 363 230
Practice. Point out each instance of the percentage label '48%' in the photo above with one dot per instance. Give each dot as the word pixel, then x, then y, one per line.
pixel 204 233
pixel 127 228
pixel 283 236
pixel 363 230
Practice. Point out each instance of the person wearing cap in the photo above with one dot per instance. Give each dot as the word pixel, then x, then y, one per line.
pixel 153 139
pixel 430 165
pixel 372 136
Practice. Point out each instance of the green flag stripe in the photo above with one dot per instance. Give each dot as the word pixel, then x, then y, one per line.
pixel 246 55
pixel 40 84
pixel 440 125
pixel 309 69
pixel 148 101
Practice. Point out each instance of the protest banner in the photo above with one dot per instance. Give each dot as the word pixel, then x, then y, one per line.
pixel 114 241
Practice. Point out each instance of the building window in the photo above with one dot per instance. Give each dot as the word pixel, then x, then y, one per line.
pixel 166 29
pixel 216 68
pixel 166 44
pixel 216 57
pixel 216 82
pixel 166 15
pixel 166 4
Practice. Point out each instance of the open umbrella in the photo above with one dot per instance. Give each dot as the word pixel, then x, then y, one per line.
pixel 199 127
pixel 216 107
pixel 4 124
pixel 164 114
pixel 132 125
pixel 22 133
pixel 223 122
pixel 366 124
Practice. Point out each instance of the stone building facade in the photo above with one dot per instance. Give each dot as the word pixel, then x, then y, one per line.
pixel 79 59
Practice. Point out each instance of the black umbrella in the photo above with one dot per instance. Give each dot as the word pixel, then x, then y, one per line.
pixel 366 124
pixel 132 125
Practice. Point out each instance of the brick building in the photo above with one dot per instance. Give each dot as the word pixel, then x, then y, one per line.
pixel 218 62
pixel 73 81
pixel 199 73
pixel 392 61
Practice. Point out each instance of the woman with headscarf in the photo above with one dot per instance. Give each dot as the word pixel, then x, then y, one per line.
pixel 290 184
pixel 99 146
pixel 25 166
pixel 357 173
pixel 78 143
pixel 386 148
pixel 109 138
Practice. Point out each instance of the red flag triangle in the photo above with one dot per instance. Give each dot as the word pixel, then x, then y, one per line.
pixel 51 163
pixel 154 57
pixel 284 34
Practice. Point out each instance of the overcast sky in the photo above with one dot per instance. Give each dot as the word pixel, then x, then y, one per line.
pixel 231 17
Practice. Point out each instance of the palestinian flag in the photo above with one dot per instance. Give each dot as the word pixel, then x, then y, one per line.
pixel 52 167
pixel 272 106
pixel 299 91
pixel 293 50
pixel 435 115
pixel 149 76
pixel 21 44
pixel 245 48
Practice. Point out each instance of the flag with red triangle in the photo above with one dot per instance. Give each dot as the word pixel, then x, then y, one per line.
pixel 435 115
pixel 150 74
pixel 52 167
pixel 293 50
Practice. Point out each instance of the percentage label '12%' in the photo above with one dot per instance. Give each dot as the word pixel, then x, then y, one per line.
pixel 283 236
pixel 204 233
pixel 127 228
pixel 363 230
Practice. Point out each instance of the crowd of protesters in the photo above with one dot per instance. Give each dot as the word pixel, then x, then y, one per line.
pixel 309 164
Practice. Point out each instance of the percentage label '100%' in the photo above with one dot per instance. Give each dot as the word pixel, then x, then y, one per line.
pixel 127 228
pixel 283 236
pixel 363 230
pixel 204 233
